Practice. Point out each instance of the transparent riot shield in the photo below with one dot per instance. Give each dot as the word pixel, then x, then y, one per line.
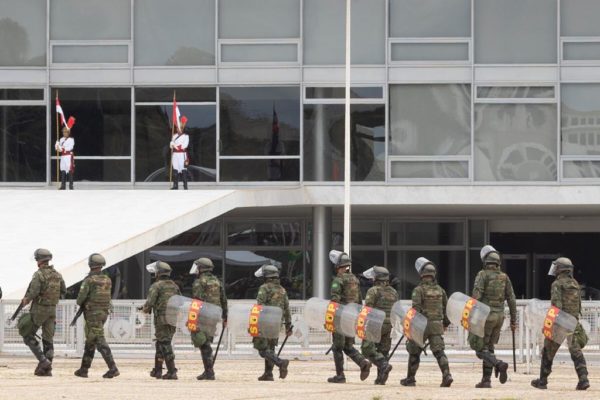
pixel 255 320
pixel 331 316
pixel 535 313
pixel 467 312
pixel 411 323
pixel 369 323
pixel 558 325
pixel 192 315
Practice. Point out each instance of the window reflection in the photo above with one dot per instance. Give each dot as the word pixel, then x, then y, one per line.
pixel 264 233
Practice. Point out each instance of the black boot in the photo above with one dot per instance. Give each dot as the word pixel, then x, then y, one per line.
pixel 209 373
pixel 383 371
pixel 268 374
pixel 63 180
pixel 184 175
pixel 414 361
pixel 112 372
pixel 158 367
pixel 70 177
pixel 408 381
pixel 86 361
pixel 44 367
pixel 486 381
pixel 175 181
pixel 339 377
pixel 48 349
pixel 363 363
pixel 539 383
pixel 171 370
pixel 500 370
pixel 582 372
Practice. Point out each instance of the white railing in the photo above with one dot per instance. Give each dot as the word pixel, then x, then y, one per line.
pixel 130 331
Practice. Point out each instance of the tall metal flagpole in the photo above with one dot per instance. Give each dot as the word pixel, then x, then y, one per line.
pixel 173 116
pixel 347 230
pixel 57 139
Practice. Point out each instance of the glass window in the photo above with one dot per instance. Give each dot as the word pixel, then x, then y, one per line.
pixel 579 100
pixel 98 170
pixel 324 142
pixel 426 234
pixel 259 52
pixel 430 119
pixel 356 92
pixel 267 233
pixel 515 92
pixel 90 19
pixel 515 142
pixel 240 282
pixel 429 169
pixel 261 121
pixel 22 144
pixel 21 94
pixel 581 169
pixel 476 233
pixel 103 120
pixel 186 37
pixel 581 51
pixel 206 234
pixel 22 33
pixel 515 31
pixel 259 19
pixel 364 233
pixel 579 18
pixel 324 32
pixel 430 18
pixel 260 170
pixel 90 54
pixel 184 94
pixel 430 52
pixel 153 133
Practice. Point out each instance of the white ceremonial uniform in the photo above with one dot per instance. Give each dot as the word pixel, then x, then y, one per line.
pixel 65 146
pixel 180 143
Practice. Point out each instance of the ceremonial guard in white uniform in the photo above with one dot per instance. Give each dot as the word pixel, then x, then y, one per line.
pixel 65 147
pixel 180 160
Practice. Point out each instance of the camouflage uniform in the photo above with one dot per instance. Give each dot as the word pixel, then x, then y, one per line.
pixel 95 297
pixel 271 293
pixel 158 295
pixel 45 289
pixel 208 288
pixel 345 288
pixel 381 296
pixel 429 299
pixel 492 287
pixel 566 297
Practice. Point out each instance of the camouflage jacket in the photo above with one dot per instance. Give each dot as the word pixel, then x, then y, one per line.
pixel 493 287
pixel 271 293
pixel 430 299
pixel 46 287
pixel 345 288
pixel 208 287
pixel 95 293
pixel 159 294
pixel 382 296
pixel 565 294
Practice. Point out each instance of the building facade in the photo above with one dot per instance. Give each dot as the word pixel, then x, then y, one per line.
pixel 453 93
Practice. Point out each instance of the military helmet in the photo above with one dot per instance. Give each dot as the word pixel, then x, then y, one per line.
pixel 339 259
pixel 96 260
pixel 561 264
pixel 159 268
pixel 428 270
pixel 201 265
pixel 377 273
pixel 425 267
pixel 267 271
pixel 42 255
pixel 489 255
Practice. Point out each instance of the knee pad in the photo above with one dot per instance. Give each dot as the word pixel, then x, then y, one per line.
pixel 262 353
pixel 30 341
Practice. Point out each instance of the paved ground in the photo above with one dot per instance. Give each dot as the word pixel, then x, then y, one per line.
pixel 237 380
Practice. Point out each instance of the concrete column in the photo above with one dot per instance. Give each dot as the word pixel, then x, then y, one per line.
pixel 321 145
pixel 321 242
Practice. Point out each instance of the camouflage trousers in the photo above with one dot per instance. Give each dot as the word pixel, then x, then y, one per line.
pixel 266 349
pixel 202 341
pixel 378 351
pixel 437 347
pixel 164 335
pixel 549 351
pixel 484 347
pixel 94 339
pixel 44 317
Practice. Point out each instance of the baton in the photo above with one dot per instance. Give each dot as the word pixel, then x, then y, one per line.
pixel 329 351
pixel 425 348
pixel 395 347
pixel 17 311
pixel 218 345
pixel 514 353
pixel 284 342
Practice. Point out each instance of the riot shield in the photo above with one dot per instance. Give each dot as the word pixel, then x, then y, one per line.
pixel 411 323
pixel 535 313
pixel 320 313
pixel 192 315
pixel 255 320
pixel 558 325
pixel 369 324
pixel 467 312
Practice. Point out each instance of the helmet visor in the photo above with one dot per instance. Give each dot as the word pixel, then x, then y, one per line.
pixel 152 268
pixel 370 273
pixel 485 251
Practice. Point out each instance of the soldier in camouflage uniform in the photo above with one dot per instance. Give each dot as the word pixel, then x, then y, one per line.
pixel 492 287
pixel 45 289
pixel 207 288
pixel 381 296
pixel 271 293
pixel 565 296
pixel 345 288
pixel 158 295
pixel 95 298
pixel 429 299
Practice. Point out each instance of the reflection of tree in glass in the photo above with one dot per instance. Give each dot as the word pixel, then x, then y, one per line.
pixel 14 43
pixel 191 56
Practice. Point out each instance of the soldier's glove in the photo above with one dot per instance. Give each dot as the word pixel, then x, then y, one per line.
pixel 289 328
pixel 225 323
pixel 513 326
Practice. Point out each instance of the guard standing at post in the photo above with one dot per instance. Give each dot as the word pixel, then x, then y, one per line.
pixel 382 297
pixel 95 298
pixel 158 296
pixel 345 288
pixel 492 287
pixel 45 290
pixel 429 299
pixel 65 146
pixel 566 296
pixel 207 288
pixel 180 158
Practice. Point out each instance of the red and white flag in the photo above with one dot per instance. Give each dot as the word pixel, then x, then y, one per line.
pixel 59 110
pixel 176 114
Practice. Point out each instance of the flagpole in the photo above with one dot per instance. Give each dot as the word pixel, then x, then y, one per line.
pixel 347 229
pixel 57 139
pixel 173 116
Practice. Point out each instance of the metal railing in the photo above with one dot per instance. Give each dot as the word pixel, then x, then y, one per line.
pixel 130 331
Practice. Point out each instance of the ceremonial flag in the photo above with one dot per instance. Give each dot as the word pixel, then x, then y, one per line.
pixel 59 110
pixel 176 114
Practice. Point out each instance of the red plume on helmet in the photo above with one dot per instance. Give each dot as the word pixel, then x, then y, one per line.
pixel 183 120
pixel 70 122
